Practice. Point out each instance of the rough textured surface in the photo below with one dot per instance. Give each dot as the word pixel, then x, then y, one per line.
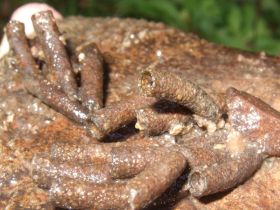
pixel 54 52
pixel 28 127
pixel 91 76
pixel 159 83
pixel 158 120
pixel 260 192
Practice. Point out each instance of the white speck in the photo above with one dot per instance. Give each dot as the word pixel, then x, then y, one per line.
pixel 48 36
pixel 240 58
pixel 75 175
pixel 126 43
pixel 132 194
pixel 10 117
pixel 47 122
pixel 13 181
pixel 142 34
pixel 201 122
pixel 170 138
pixel 81 57
pixel 219 146
pixel 159 53
pixel 62 39
pixel 262 55
pixel 176 128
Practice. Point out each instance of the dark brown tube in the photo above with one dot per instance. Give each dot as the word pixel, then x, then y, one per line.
pixel 54 50
pixel 134 194
pixel 57 99
pixel 81 153
pixel 164 84
pixel 124 161
pixel 92 153
pixel 119 114
pixel 131 160
pixel 45 171
pixel 91 63
pixel 220 177
pixel 154 123
pixel 18 42
pixel 34 82
pixel 73 194
pixel 161 174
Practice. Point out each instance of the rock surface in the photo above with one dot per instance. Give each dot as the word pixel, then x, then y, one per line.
pixel 28 127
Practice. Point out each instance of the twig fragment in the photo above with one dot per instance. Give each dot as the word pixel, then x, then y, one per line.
pixel 133 194
pixel 91 63
pixel 54 51
pixel 115 156
pixel 45 171
pixel 163 84
pixel 34 82
pixel 74 194
pixel 220 177
pixel 253 135
pixel 118 114
pixel 154 123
